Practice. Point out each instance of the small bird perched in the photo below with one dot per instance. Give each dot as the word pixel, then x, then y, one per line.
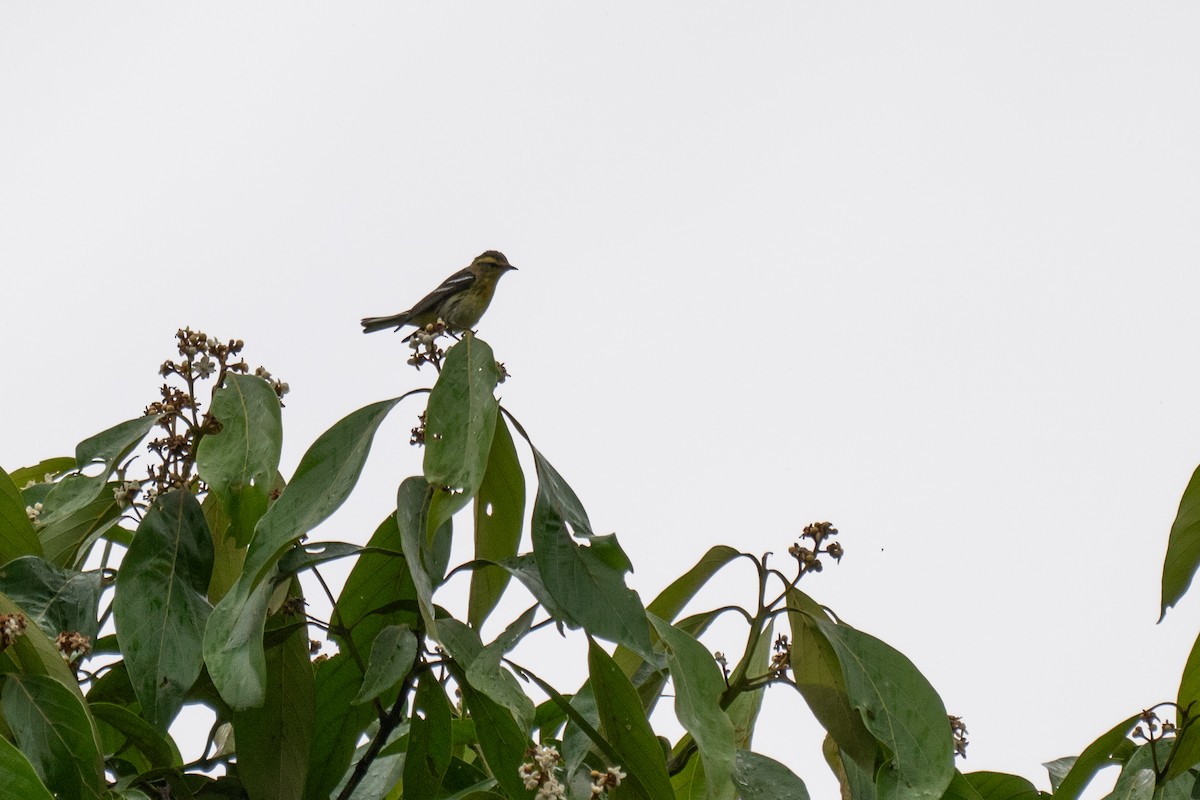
pixel 459 302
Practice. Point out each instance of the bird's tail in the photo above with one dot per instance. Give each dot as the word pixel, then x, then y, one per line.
pixel 372 324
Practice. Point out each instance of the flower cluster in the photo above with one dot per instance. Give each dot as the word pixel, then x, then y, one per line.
pixel 11 627
pixel 73 645
pixel 603 781
pixel 201 358
pixel 959 731
pixel 423 342
pixel 541 773
pixel 34 512
pixel 782 658
pixel 819 533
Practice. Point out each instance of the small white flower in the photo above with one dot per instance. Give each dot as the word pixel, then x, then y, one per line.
pixel 33 512
pixel 206 367
pixel 125 492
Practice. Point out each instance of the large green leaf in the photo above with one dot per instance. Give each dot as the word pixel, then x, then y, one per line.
pixel 246 449
pixel 499 509
pixel 586 582
pixel 17 536
pixel 326 474
pixel 274 739
pixel 819 678
pixel 1097 754
pixel 760 778
pixel 426 560
pixel 57 599
pixel 1183 547
pixel 17 775
pixel 161 607
pixel 428 755
pixel 323 480
pixel 900 709
pixel 51 726
pixel 459 426
pixel 699 685
pixel 623 723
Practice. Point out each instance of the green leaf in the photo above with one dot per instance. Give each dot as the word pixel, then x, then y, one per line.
pixel 1058 769
pixel 1183 547
pixel 623 723
pixel 991 786
pixel 109 447
pixel 461 418
pixel 341 723
pixel 501 740
pixel 65 537
pixel 17 536
pixel 760 778
pixel 37 473
pixel 161 607
pixel 428 755
pixel 306 555
pixel 17 775
pixel 1136 786
pixel 57 599
pixel 233 647
pixel 327 473
pixel 274 739
pixel 379 592
pixel 323 480
pixel 699 685
pixel 34 653
pixel 900 709
pixel 743 711
pixel 1097 754
pixel 671 601
pixel 246 450
pixel 424 562
pixel 159 750
pixel 819 679
pixel 586 582
pixel 51 726
pixel 499 508
pixel 392 656
pixel 481 664
pixel 1187 750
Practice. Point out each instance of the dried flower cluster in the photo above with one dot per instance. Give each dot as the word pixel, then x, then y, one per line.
pixel 11 627
pixel 819 533
pixel 73 645
pixel 959 731
pixel 782 658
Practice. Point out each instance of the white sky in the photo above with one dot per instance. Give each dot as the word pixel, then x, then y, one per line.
pixel 927 270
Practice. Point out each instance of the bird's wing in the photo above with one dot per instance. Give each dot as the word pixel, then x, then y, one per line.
pixel 451 286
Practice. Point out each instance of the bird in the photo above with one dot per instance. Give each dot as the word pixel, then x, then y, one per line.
pixel 459 302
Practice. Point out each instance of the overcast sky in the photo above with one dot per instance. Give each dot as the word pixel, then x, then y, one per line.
pixel 926 270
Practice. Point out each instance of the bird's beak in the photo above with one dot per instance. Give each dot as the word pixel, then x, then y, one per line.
pixel 509 266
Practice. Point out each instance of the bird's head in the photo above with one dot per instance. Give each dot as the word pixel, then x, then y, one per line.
pixel 492 261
